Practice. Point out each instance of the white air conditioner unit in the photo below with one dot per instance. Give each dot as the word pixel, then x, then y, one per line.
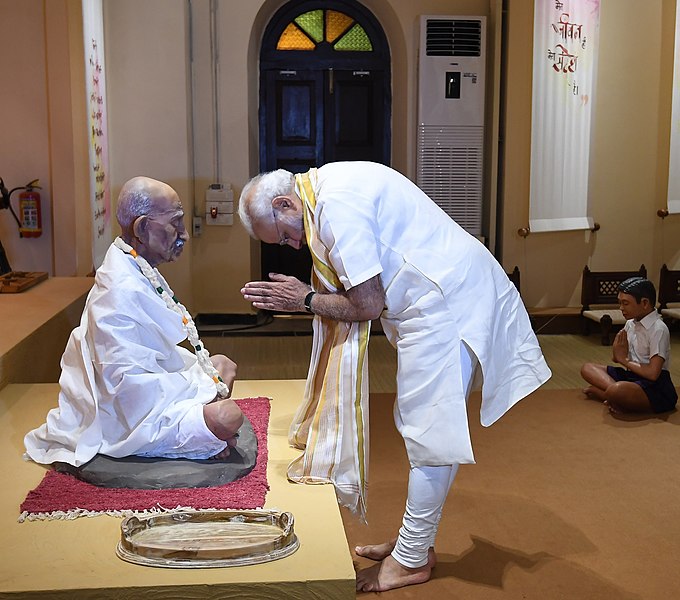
pixel 450 148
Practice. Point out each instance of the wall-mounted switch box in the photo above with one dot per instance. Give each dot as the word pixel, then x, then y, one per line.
pixel 219 205
pixel 196 227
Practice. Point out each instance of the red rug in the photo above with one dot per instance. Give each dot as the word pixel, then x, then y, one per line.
pixel 62 496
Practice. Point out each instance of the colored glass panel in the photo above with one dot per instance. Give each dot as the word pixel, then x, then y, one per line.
pixel 355 39
pixel 312 23
pixel 294 39
pixel 336 24
pixel 307 30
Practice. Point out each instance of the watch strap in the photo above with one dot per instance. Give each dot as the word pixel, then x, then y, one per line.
pixel 308 301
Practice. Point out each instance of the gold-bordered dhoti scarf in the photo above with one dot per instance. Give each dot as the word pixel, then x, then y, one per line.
pixel 331 424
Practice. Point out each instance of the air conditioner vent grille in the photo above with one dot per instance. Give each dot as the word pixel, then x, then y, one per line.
pixel 453 37
pixel 450 171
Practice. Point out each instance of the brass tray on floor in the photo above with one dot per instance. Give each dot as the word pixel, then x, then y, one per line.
pixel 207 538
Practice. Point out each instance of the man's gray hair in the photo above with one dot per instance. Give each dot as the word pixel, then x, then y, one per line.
pixel 255 203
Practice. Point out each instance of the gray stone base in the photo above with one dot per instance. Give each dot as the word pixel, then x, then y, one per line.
pixel 138 472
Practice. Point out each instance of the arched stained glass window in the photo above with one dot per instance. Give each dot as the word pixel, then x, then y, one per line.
pixel 315 27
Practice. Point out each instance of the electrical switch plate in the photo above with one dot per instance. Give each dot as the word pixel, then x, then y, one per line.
pixel 196 227
pixel 219 205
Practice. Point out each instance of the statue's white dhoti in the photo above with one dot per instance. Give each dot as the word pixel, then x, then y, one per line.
pixel 127 388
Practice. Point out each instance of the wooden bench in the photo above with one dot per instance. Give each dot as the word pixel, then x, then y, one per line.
pixel 514 277
pixel 37 323
pixel 669 294
pixel 601 288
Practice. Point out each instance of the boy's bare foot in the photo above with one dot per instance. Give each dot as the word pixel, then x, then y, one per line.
pixel 612 409
pixel 389 575
pixel 593 393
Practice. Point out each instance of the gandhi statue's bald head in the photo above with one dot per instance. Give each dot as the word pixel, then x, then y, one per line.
pixel 150 216
pixel 140 196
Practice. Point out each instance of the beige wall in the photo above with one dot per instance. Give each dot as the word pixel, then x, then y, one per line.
pixel 42 120
pixel 158 128
pixel 24 127
pixel 68 139
pixel 223 258
pixel 629 162
pixel 222 255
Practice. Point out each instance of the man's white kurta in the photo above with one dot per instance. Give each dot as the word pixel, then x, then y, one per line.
pixel 127 388
pixel 442 287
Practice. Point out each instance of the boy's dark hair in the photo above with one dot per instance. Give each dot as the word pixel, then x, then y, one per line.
pixel 639 288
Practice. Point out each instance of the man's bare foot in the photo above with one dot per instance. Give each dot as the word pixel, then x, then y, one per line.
pixel 382 551
pixel 389 575
pixel 376 551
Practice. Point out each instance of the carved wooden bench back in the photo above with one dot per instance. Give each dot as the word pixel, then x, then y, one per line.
pixel 669 286
pixel 601 287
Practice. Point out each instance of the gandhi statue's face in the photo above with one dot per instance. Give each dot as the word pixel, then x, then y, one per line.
pixel 166 232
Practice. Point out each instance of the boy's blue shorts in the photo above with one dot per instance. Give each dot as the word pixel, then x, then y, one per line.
pixel 661 393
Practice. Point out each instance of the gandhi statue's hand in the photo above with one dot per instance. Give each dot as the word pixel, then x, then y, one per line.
pixel 226 368
pixel 283 292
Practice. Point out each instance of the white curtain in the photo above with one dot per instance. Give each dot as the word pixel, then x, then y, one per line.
pixel 95 85
pixel 566 37
pixel 674 162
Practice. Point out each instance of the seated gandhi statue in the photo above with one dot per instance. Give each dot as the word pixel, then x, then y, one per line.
pixel 127 387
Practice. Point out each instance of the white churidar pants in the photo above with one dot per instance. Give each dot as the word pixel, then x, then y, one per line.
pixel 427 491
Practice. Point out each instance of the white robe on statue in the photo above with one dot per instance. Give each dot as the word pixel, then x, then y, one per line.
pixel 127 388
pixel 442 287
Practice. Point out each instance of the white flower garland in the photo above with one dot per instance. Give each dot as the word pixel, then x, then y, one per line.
pixel 175 305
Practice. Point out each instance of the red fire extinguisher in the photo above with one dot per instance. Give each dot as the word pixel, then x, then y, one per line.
pixel 29 211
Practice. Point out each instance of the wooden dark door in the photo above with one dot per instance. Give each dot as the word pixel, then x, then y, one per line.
pixel 294 133
pixel 293 109
pixel 324 97
pixel 313 117
pixel 353 109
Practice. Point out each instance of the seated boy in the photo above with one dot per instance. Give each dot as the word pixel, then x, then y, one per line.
pixel 643 382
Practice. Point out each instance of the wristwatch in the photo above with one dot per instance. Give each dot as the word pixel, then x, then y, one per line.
pixel 308 301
